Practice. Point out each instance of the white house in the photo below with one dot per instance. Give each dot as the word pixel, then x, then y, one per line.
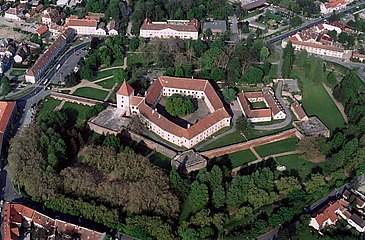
pixel 12 13
pixel 85 26
pixel 333 5
pixel 184 29
pixel 113 27
pixel 188 136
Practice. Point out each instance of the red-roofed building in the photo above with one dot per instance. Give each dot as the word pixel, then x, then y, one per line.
pixel 329 216
pixel 298 111
pixel 334 5
pixel 18 217
pixel 189 136
pixel 273 108
pixel 7 114
pixel 85 26
pixel 40 31
pixel 184 29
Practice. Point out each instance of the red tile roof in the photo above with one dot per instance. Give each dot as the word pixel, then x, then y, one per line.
pixel 189 84
pixel 82 23
pixel 317 45
pixel 42 30
pixel 6 110
pixel 125 89
pixel 298 110
pixel 335 3
pixel 330 212
pixel 136 100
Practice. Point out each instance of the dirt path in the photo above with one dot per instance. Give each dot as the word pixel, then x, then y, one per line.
pixel 116 67
pixel 338 104
pixel 86 83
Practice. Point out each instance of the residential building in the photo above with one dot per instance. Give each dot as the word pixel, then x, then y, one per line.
pixel 85 26
pixel 329 216
pixel 187 136
pixel 21 53
pixel 51 15
pixel 43 62
pixel 7 115
pixel 42 30
pixel 18 217
pixel 333 5
pixel 298 111
pixel 217 26
pixel 13 13
pixel 62 3
pixel 358 56
pixel 35 10
pixel 250 5
pixel 273 109
pixel 113 27
pixel 184 29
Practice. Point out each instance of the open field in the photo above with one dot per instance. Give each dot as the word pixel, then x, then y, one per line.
pixel 316 101
pixel 49 104
pixel 81 111
pixel 242 157
pixel 109 83
pixel 285 145
pixel 91 93
pixel 296 163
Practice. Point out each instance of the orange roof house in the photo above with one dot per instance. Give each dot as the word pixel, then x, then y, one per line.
pixel 40 31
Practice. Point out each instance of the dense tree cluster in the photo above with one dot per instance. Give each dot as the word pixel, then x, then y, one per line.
pixel 5 85
pixel 308 8
pixel 179 105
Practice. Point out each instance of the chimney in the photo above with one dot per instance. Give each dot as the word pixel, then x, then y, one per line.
pixel 188 125
pixel 153 111
pixel 159 115
pixel 192 77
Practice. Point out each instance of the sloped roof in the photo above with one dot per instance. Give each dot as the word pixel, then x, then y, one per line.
pixel 125 89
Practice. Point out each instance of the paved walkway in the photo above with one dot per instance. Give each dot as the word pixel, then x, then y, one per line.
pixel 110 92
pixel 338 104
pixel 86 83
pixel 254 152
pixel 116 67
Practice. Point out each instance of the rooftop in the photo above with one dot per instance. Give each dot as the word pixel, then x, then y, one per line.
pixel 111 119
pixel 216 25
pixel 310 127
pixel 187 160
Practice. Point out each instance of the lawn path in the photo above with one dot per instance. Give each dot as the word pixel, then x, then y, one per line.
pixel 86 83
pixel 110 92
pixel 254 152
pixel 338 104
pixel 116 67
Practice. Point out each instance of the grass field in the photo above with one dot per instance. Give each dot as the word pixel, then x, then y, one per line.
pixel 109 83
pixel 232 138
pixel 316 101
pixel 285 145
pixel 91 93
pixel 259 104
pixel 49 104
pixel 103 74
pixel 295 162
pixel 81 111
pixel 17 72
pixel 240 158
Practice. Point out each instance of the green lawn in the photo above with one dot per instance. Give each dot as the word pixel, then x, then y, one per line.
pixel 316 101
pixel 92 93
pixel 103 74
pixel 274 56
pixel 285 145
pixel 81 113
pixel 49 104
pixel 269 123
pixel 295 162
pixel 273 73
pixel 232 138
pixel 17 72
pixel 259 104
pixel 242 157
pixel 109 83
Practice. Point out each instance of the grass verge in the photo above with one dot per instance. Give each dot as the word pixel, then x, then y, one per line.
pixel 242 157
pixel 92 93
pixel 285 145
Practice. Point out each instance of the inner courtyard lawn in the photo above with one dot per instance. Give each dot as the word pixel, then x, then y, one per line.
pixel 285 145
pixel 316 101
pixel 92 93
pixel 259 104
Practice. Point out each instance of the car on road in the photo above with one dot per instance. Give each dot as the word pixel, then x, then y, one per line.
pixel 58 66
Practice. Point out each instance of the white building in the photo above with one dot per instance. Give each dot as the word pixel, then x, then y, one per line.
pixel 49 16
pixel 12 13
pixel 62 3
pixel 184 29
pixel 334 5
pixel 273 110
pixel 43 62
pixel 113 27
pixel 189 136
pixel 85 26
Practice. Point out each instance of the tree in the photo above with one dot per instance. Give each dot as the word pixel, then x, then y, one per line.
pixel 243 213
pixel 208 33
pixel 153 226
pixel 217 74
pixel 288 60
pixel 134 44
pixel 288 184
pixel 332 79
pixel 219 197
pixel 295 21
pixel 333 34
pixel 313 144
pixel 229 95
pixel 112 141
pixel 315 182
pixel 198 196
pixel 5 84
pixel 264 53
pixel 243 124
pixel 179 105
pixel 120 75
pixel 254 75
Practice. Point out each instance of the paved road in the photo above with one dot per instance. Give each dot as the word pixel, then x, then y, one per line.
pixel 311 24
pixel 234 27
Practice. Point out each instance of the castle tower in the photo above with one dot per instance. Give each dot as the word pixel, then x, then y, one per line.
pixel 124 95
